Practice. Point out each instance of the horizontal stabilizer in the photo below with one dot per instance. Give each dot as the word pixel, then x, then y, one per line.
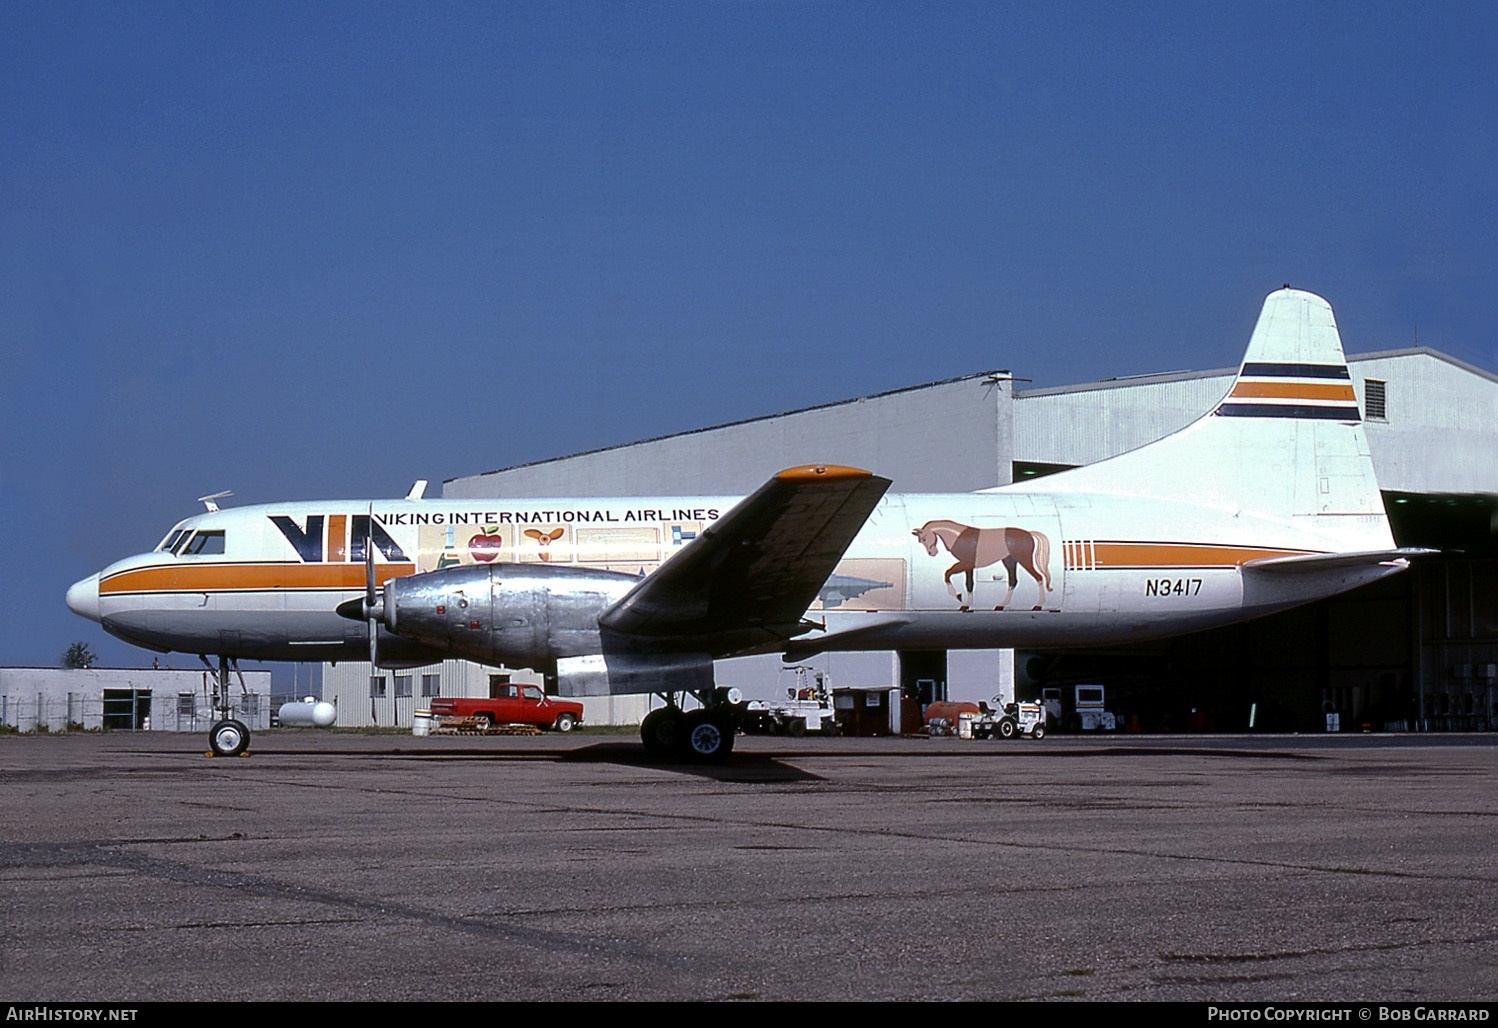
pixel 746 581
pixel 811 645
pixel 1310 563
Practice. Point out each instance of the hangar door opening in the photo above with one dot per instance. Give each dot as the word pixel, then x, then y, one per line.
pixel 923 680
pixel 127 710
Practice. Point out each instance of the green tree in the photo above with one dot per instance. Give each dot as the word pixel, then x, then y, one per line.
pixel 78 655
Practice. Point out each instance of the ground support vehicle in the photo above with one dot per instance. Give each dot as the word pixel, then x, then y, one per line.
pixel 789 717
pixel 807 707
pixel 1023 719
pixel 1087 713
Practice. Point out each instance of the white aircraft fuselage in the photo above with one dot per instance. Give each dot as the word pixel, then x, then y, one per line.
pixel 1118 570
pixel 1267 502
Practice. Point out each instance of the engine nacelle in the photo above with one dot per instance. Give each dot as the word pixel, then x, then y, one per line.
pixel 520 615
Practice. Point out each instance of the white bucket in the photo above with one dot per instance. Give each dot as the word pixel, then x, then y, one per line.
pixel 422 722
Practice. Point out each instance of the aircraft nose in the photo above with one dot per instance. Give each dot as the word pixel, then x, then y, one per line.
pixel 83 597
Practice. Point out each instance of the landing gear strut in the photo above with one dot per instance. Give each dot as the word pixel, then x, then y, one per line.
pixel 228 737
pixel 701 736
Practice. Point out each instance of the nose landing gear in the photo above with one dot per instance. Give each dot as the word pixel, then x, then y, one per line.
pixel 228 737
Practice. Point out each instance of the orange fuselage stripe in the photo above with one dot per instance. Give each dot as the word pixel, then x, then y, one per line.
pixel 1179 555
pixel 207 578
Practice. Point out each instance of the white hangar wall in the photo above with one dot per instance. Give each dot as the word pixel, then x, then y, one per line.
pixel 1438 432
pixel 949 436
pixel 1440 429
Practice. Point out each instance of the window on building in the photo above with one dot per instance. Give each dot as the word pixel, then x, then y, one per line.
pixel 376 687
pixel 431 685
pixel 496 684
pixel 1375 394
pixel 187 704
pixel 402 687
pixel 252 704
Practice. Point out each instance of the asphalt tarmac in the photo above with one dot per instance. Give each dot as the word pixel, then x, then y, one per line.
pixel 350 867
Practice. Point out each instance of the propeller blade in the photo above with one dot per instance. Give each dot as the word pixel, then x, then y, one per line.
pixel 371 609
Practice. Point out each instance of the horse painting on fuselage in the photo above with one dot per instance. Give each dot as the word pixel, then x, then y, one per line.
pixel 979 547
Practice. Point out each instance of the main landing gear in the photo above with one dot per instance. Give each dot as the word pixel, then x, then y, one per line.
pixel 702 736
pixel 228 737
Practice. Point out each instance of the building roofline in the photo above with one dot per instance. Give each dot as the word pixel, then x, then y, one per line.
pixel 1156 378
pixel 989 376
pixel 1163 377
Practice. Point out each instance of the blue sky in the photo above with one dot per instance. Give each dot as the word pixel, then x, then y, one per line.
pixel 309 251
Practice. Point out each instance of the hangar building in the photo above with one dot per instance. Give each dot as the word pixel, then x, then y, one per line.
pixel 1418 651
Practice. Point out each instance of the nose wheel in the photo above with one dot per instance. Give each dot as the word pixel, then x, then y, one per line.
pixel 228 738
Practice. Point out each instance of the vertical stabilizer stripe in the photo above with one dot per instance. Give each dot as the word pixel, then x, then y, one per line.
pixel 1287 410
pixel 1270 370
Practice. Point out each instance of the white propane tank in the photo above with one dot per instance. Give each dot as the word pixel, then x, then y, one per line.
pixel 307 714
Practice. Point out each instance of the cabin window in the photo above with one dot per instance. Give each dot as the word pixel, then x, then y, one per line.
pixel 1375 396
pixel 204 544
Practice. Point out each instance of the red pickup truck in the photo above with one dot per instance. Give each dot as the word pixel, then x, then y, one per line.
pixel 513 705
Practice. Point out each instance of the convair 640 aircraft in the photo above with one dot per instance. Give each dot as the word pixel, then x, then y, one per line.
pixel 1267 502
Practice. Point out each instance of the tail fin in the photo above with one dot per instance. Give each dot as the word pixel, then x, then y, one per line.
pixel 1294 367
pixel 1286 443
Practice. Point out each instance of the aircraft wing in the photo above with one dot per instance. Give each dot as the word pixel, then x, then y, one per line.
pixel 746 581
pixel 1316 562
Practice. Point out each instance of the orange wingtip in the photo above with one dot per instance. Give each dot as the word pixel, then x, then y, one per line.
pixel 821 472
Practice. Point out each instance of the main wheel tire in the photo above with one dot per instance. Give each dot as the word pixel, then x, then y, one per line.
pixel 228 738
pixel 706 737
pixel 1006 728
pixel 660 731
pixel 564 722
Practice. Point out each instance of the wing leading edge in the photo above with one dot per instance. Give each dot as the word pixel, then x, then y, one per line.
pixel 747 580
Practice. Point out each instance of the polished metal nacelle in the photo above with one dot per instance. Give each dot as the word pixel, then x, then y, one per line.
pixel 521 615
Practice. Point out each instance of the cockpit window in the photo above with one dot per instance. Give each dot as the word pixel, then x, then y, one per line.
pixel 202 544
pixel 171 540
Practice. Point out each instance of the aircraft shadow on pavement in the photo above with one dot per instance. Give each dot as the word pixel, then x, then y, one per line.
pixel 742 767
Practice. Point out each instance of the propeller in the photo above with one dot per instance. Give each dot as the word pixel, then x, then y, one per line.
pixel 373 609
pixel 369 608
